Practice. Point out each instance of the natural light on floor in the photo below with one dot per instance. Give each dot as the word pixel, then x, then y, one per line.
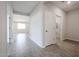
pixel 20 39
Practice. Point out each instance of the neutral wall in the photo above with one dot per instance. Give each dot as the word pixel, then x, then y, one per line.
pixel 73 25
pixel 9 20
pixel 22 18
pixel 36 26
pixel 9 25
pixel 3 31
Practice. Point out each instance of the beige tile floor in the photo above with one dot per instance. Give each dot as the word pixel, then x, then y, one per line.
pixel 24 47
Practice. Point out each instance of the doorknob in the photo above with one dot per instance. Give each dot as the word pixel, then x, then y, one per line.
pixel 46 30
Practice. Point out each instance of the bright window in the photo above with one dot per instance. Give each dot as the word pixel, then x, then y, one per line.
pixel 21 25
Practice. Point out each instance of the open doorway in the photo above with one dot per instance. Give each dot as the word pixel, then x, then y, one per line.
pixel 20 33
pixel 20 25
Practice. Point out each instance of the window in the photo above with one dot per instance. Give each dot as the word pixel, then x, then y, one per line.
pixel 21 25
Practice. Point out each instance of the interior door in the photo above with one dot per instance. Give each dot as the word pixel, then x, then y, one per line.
pixel 50 27
pixel 58 27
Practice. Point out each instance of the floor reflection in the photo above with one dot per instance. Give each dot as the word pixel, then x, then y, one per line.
pixel 24 47
pixel 20 45
pixel 21 40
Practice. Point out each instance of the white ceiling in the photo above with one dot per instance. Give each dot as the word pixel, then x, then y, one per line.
pixel 24 7
pixel 65 6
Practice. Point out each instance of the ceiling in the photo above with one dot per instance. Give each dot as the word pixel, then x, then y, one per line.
pixel 65 6
pixel 26 7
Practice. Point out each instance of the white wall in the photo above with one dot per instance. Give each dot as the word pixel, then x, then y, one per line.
pixel 73 25
pixel 36 26
pixel 9 21
pixel 22 18
pixel 9 25
pixel 3 27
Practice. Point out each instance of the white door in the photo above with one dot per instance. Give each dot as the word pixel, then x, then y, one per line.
pixel 50 27
pixel 58 27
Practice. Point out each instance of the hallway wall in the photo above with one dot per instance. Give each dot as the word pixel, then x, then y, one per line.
pixel 73 25
pixel 36 26
pixel 9 20
pixel 3 31
pixel 9 24
pixel 37 23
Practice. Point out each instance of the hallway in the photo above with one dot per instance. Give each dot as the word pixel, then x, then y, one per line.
pixel 24 47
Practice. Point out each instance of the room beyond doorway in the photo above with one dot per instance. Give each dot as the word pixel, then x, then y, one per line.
pixel 20 24
pixel 19 27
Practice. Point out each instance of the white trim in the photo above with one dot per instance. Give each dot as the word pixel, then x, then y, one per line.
pixel 72 39
pixel 37 43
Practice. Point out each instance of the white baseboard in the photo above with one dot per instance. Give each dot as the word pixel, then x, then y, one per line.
pixel 72 39
pixel 37 43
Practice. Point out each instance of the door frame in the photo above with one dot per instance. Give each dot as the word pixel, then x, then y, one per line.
pixel 60 26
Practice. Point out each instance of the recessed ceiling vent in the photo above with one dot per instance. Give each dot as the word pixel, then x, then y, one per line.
pixel 62 1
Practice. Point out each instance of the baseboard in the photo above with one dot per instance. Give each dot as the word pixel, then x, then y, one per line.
pixel 37 43
pixel 72 39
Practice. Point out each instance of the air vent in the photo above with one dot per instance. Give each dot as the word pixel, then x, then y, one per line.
pixel 62 1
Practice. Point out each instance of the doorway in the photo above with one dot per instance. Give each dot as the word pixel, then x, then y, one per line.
pixel 58 28
pixel 20 32
pixel 50 27
pixel 19 25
